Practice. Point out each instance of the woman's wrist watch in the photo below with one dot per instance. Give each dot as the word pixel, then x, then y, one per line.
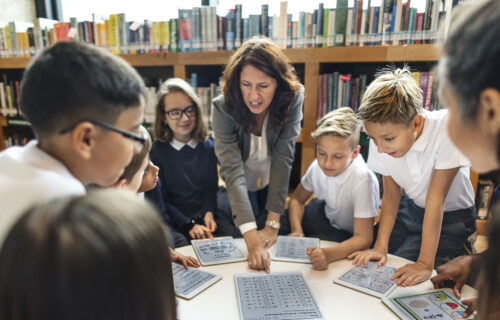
pixel 273 224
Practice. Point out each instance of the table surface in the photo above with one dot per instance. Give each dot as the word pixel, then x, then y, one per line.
pixel 219 301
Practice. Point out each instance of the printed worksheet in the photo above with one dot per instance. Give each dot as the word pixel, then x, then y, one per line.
pixel 217 251
pixel 432 305
pixel 374 280
pixel 293 248
pixel 188 283
pixel 276 296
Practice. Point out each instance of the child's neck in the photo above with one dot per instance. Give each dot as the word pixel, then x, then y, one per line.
pixel 183 139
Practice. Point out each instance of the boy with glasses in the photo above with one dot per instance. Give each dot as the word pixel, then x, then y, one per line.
pixel 85 106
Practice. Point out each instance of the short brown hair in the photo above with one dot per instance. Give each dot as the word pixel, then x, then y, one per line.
pixel 102 256
pixel 138 158
pixel 263 54
pixel 392 97
pixel 162 131
pixel 342 123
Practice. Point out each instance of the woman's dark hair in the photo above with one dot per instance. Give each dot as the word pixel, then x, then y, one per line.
pixel 263 54
pixel 162 131
pixel 488 284
pixel 104 256
pixel 471 60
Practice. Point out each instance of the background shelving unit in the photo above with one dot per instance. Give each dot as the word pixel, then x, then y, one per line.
pixel 308 63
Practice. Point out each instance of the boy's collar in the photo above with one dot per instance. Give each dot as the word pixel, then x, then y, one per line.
pixel 177 145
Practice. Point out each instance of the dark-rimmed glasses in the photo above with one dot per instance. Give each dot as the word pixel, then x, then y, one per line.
pixel 138 138
pixel 177 114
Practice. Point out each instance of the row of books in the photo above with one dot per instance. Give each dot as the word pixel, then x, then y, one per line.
pixel 337 90
pixel 9 97
pixel 201 29
pixel 206 91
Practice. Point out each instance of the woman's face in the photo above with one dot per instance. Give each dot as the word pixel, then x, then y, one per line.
pixel 471 137
pixel 257 89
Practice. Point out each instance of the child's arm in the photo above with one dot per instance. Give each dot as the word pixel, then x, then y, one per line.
pixel 296 210
pixel 361 239
pixel 388 214
pixel 186 261
pixel 414 273
pixel 209 196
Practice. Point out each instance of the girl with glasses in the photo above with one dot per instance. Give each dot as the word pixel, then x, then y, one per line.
pixel 186 159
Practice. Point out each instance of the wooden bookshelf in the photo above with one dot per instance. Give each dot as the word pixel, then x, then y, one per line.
pixel 311 58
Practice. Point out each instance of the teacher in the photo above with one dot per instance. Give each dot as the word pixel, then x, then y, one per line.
pixel 256 122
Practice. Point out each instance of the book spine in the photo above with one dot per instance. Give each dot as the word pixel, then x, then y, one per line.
pixel 264 20
pixel 238 25
pixel 319 25
pixel 230 27
pixel 341 22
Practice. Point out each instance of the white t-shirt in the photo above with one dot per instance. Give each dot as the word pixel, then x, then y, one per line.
pixel 433 150
pixel 28 176
pixel 352 194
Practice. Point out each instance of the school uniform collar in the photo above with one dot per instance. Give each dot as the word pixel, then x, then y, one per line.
pixel 177 145
pixel 37 157
pixel 423 140
pixel 341 178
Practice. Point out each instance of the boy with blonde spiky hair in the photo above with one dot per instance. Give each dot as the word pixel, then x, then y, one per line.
pixel 410 147
pixel 346 192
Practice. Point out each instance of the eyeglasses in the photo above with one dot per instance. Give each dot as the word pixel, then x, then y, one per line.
pixel 177 114
pixel 138 138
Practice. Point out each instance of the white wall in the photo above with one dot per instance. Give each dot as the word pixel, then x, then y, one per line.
pixel 17 10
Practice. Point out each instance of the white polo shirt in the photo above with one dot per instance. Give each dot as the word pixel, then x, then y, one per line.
pixel 352 194
pixel 433 150
pixel 28 176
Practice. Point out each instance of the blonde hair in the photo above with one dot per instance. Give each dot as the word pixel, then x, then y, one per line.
pixel 342 123
pixel 162 131
pixel 393 97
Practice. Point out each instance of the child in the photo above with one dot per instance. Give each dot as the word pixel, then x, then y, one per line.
pixel 410 147
pixel 141 175
pixel 186 158
pixel 473 125
pixel 347 192
pixel 85 106
pixel 96 256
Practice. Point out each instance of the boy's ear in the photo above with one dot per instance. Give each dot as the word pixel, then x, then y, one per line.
pixel 83 137
pixel 418 122
pixel 356 152
pixel 489 110
pixel 120 184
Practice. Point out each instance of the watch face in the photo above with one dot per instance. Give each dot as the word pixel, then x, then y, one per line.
pixel 273 224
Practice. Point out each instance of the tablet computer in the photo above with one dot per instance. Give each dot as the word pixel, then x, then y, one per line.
pixel 189 283
pixel 276 296
pixel 431 305
pixel 374 280
pixel 217 251
pixel 293 249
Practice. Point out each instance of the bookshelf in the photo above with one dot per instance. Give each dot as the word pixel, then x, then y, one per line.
pixel 310 60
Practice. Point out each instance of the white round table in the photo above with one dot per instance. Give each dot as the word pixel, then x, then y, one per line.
pixel 219 301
